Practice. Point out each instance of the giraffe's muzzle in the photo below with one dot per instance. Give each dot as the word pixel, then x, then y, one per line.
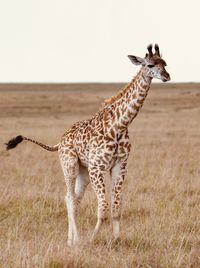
pixel 166 77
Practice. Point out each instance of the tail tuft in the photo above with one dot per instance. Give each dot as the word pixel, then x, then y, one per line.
pixel 13 142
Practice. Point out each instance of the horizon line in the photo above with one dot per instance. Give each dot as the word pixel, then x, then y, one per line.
pixel 94 82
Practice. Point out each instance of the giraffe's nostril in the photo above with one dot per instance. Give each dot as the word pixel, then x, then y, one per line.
pixel 168 76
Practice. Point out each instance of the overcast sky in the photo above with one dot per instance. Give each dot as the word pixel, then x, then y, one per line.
pixel 89 40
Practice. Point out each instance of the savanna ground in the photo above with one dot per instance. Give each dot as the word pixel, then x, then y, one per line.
pixel 161 204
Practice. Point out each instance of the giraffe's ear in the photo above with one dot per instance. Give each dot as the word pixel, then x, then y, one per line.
pixel 136 60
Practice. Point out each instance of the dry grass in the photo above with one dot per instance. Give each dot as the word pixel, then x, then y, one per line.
pixel 161 222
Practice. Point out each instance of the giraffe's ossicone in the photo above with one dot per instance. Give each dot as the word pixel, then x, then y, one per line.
pixel 93 147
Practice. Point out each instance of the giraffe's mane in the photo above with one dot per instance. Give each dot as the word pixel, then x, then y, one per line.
pixel 118 95
pixel 121 92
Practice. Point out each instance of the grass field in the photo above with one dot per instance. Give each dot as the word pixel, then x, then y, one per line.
pixel 161 204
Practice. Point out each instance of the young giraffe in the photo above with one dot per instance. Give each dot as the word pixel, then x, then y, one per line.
pixel 92 147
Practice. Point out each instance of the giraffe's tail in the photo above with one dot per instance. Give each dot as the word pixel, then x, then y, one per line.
pixel 13 143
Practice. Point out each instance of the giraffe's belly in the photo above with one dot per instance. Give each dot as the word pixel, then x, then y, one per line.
pixel 100 157
pixel 103 154
pixel 84 161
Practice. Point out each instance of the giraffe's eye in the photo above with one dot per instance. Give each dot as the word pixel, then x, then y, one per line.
pixel 150 65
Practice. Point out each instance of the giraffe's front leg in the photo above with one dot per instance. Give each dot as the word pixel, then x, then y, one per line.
pixel 118 173
pixel 97 181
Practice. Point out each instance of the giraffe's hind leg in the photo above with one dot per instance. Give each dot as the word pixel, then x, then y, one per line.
pixel 70 166
pixel 82 182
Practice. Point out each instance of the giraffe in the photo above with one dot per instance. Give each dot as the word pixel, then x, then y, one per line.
pixel 93 147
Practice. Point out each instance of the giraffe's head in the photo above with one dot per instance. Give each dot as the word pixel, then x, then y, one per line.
pixel 152 64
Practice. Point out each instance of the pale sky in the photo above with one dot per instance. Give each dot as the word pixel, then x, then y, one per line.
pixel 89 40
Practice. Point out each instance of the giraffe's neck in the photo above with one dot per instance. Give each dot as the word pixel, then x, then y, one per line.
pixel 131 99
